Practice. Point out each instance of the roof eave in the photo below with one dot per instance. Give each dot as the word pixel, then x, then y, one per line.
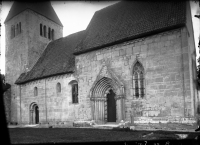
pixel 43 77
pixel 130 38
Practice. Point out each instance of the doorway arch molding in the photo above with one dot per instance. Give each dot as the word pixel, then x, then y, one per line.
pixel 106 81
pixel 34 113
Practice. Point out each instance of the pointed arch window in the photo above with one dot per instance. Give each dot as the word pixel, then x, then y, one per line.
pixel 138 80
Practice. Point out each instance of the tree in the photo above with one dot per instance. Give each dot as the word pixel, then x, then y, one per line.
pixel 5 86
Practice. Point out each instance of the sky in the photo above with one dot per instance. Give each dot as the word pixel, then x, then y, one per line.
pixel 76 15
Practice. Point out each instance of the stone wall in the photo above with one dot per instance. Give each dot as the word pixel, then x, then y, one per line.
pixel 167 81
pixel 53 107
pixel 24 49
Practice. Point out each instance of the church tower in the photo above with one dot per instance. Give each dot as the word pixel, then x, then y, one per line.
pixel 29 26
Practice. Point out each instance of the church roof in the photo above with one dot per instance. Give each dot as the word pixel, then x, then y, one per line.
pixel 43 8
pixel 114 24
pixel 128 20
pixel 55 60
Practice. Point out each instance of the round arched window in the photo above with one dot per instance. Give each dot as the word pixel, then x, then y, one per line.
pixel 35 91
pixel 58 87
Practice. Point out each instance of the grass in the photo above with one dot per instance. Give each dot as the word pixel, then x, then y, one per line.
pixel 60 135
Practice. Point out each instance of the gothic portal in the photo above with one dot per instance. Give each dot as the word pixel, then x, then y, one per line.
pixel 107 97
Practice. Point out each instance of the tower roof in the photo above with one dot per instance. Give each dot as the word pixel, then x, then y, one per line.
pixel 43 8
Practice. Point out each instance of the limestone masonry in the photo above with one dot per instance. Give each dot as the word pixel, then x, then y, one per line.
pixel 119 68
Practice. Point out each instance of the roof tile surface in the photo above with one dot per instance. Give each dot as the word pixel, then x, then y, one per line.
pixel 129 19
pixel 57 58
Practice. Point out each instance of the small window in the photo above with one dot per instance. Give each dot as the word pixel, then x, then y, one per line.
pixel 35 91
pixel 58 87
pixel 40 29
pixel 17 32
pixel 52 34
pixel 20 29
pixel 44 31
pixel 74 93
pixel 13 31
pixel 49 33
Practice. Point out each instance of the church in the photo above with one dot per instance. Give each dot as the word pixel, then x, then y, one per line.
pixel 135 61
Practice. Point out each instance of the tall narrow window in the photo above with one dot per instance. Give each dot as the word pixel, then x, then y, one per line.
pixel 141 84
pixel 40 29
pixel 52 34
pixel 75 93
pixel 58 87
pixel 44 31
pixel 20 29
pixel 17 31
pixel 13 31
pixel 35 91
pixel 49 33
pixel 138 80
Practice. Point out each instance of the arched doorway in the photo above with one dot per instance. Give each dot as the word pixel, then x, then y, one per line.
pixel 34 113
pixel 107 97
pixel 111 106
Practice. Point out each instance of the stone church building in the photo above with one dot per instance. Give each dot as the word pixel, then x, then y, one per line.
pixel 135 61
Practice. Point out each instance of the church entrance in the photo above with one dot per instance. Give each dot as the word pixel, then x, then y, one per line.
pixel 34 114
pixel 107 98
pixel 111 107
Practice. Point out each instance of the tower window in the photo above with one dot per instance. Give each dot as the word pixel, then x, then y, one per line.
pixel 13 31
pixel 52 34
pixel 138 80
pixel 44 31
pixel 49 33
pixel 17 30
pixel 20 30
pixel 40 29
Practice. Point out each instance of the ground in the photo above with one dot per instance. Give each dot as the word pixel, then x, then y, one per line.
pixel 71 135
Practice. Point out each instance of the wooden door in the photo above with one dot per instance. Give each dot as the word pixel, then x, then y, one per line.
pixel 111 107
